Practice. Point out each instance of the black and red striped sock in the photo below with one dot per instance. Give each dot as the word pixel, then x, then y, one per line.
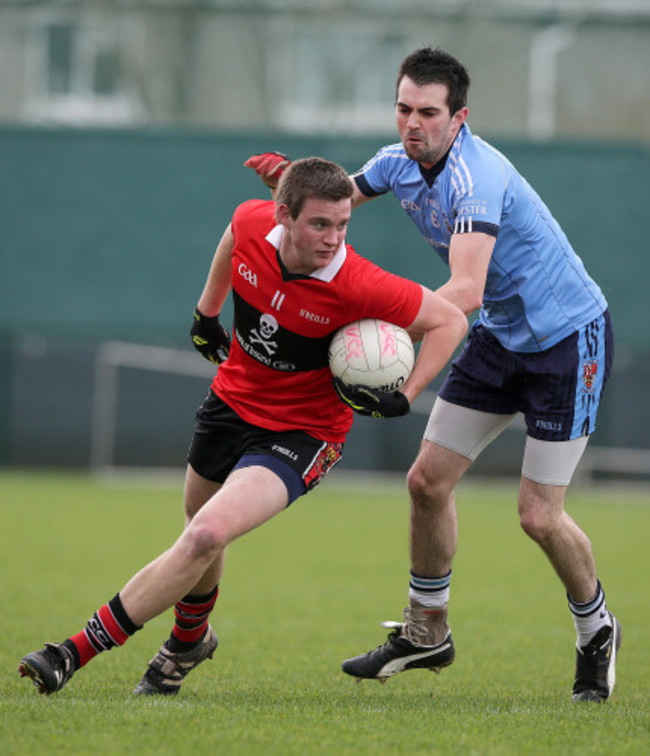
pixel 192 614
pixel 109 626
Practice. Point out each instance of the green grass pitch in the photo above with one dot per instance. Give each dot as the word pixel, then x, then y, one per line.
pixel 299 595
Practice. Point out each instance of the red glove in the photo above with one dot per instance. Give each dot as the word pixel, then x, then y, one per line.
pixel 269 166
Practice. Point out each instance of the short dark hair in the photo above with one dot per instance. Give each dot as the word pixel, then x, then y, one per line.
pixel 312 177
pixel 434 66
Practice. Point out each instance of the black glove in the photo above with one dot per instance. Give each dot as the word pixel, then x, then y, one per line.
pixel 371 402
pixel 210 338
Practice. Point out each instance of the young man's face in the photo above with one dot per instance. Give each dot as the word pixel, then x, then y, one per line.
pixel 313 238
pixel 426 127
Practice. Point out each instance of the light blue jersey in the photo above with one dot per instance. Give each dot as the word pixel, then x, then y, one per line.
pixel 537 291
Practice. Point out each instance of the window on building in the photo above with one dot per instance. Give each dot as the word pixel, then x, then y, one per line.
pixel 336 78
pixel 75 72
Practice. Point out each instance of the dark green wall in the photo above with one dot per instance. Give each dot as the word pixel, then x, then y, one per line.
pixel 110 233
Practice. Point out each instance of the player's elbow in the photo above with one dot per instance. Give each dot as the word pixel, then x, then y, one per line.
pixel 460 324
pixel 469 300
pixel 456 319
pixel 464 292
pixel 358 197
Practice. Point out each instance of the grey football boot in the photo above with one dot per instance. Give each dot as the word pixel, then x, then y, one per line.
pixel 168 669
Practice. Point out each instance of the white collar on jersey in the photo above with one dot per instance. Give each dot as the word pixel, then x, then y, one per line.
pixel 327 273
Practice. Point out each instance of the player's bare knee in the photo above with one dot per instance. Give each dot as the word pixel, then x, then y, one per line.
pixel 538 523
pixel 203 541
pixel 427 491
pixel 530 525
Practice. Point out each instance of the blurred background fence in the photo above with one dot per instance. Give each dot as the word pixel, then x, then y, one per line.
pixel 123 129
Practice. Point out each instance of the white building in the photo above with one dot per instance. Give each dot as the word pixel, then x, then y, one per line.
pixel 540 68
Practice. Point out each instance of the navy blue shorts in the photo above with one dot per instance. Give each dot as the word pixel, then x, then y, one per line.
pixel 223 442
pixel 557 390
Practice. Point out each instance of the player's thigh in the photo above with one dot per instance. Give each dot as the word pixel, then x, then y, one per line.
pixel 198 490
pixel 435 472
pixel 250 497
pixel 463 430
pixel 552 463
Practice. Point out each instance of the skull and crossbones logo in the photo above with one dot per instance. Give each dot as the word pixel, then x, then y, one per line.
pixel 268 327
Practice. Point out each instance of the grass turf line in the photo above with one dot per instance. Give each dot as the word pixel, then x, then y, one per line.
pixel 299 595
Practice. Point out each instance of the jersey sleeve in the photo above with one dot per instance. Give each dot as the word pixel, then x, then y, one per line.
pixel 372 292
pixel 376 175
pixel 479 191
pixel 250 219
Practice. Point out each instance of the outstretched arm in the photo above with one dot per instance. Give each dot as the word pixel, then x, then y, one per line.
pixel 469 258
pixel 442 326
pixel 358 197
pixel 269 166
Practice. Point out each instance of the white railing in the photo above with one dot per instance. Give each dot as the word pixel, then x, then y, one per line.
pixel 114 356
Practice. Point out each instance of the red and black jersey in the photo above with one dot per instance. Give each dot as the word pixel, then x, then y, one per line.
pixel 277 374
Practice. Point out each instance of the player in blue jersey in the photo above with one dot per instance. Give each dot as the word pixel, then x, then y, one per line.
pixel 542 345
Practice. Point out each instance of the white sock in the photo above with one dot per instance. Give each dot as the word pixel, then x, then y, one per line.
pixel 589 616
pixel 429 592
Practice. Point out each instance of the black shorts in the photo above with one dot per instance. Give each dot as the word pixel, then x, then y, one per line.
pixel 223 442
pixel 557 390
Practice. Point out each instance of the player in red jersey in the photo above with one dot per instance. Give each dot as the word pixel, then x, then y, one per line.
pixel 273 423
